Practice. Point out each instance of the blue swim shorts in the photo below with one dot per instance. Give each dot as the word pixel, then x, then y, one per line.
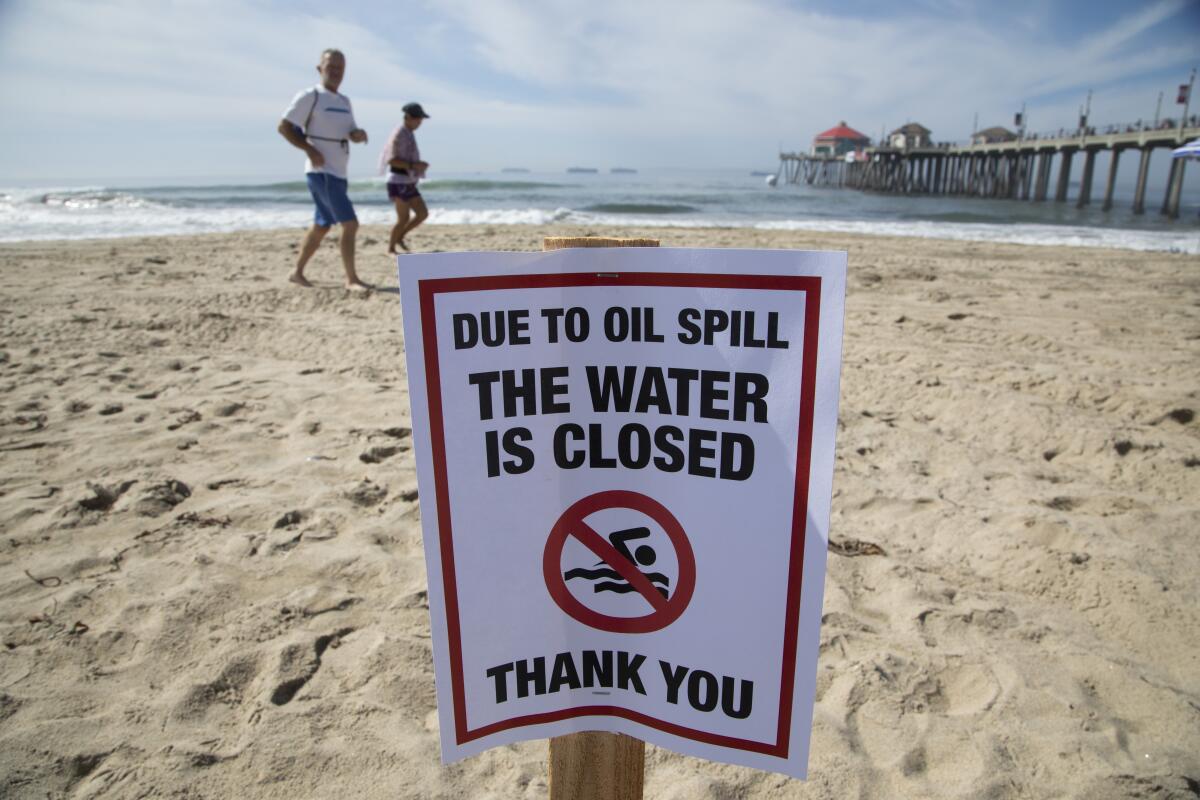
pixel 333 204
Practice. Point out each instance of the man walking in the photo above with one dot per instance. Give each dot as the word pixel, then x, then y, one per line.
pixel 321 123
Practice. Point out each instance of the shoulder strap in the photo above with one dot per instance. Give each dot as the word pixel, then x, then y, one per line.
pixel 308 119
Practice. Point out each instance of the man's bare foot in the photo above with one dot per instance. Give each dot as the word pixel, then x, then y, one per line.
pixel 299 279
pixel 359 286
pixel 404 245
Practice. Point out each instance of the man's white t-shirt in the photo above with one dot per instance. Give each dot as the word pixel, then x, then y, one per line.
pixel 327 129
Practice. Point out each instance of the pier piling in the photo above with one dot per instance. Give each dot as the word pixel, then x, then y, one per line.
pixel 1174 189
pixel 1043 177
pixel 1085 186
pixel 1139 191
pixel 1064 176
pixel 1111 183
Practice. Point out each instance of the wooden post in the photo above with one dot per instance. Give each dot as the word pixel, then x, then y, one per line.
pixel 563 242
pixel 594 765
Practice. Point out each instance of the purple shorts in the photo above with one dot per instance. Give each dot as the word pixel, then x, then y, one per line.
pixel 403 191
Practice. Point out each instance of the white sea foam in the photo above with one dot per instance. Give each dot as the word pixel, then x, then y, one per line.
pixel 99 212
pixel 499 216
pixel 1184 241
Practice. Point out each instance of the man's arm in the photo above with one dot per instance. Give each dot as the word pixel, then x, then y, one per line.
pixel 357 134
pixel 288 131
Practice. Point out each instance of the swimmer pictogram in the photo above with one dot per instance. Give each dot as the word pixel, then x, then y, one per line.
pixel 609 580
pixel 619 568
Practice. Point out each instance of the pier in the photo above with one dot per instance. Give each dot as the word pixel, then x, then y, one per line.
pixel 1020 169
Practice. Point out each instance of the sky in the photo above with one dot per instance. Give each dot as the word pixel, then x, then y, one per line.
pixel 107 89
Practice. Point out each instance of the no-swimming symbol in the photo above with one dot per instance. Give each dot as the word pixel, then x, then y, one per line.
pixel 619 569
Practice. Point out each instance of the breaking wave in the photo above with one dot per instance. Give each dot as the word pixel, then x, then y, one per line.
pixel 79 212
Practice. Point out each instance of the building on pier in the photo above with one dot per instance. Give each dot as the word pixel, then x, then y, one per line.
pixel 993 135
pixel 910 136
pixel 1019 169
pixel 839 140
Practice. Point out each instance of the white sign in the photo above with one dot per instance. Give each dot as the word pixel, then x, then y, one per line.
pixel 625 459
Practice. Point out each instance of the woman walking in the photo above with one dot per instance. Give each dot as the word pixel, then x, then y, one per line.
pixel 402 160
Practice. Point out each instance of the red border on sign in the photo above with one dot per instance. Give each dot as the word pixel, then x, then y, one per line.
pixel 811 286
pixel 664 611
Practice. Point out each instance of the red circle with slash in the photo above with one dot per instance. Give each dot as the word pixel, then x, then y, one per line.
pixel 571 523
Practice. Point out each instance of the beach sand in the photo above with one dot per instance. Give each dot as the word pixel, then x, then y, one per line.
pixel 211 573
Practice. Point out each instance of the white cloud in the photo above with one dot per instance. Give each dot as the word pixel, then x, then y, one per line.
pixel 683 66
pixel 709 82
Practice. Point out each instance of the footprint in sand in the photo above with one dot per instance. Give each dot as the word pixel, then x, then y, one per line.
pixel 162 497
pixel 378 454
pixel 319 530
pixel 366 494
pixel 289 520
pixel 910 709
pixel 228 689
pixel 229 409
pixel 1182 415
pixel 968 689
pixel 102 498
pixel 186 417
pixel 298 663
pixel 8 706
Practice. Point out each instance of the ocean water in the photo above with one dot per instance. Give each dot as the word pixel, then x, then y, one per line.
pixel 647 198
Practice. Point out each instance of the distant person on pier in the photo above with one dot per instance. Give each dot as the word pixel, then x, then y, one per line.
pixel 321 123
pixel 401 159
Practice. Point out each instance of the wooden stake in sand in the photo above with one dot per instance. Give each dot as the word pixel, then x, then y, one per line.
pixel 562 242
pixel 595 765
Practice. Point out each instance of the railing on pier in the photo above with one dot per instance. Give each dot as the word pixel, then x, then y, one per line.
pixel 1020 169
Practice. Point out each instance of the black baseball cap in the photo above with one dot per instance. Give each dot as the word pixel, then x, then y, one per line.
pixel 415 110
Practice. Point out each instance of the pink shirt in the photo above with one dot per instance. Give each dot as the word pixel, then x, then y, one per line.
pixel 402 145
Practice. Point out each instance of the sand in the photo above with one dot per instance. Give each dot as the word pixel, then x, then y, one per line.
pixel 211 573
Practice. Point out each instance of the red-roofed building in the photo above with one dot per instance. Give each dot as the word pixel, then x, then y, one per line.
pixel 838 141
